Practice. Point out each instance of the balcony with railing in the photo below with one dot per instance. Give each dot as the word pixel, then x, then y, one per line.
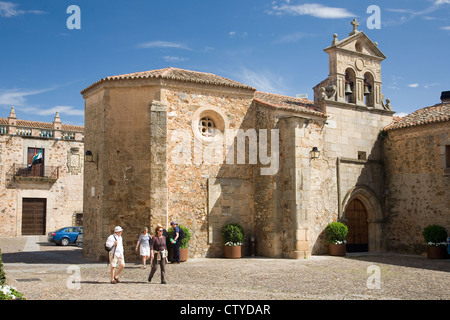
pixel 24 131
pixel 35 173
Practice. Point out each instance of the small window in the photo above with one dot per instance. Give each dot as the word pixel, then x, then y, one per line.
pixel 447 156
pixel 362 155
pixel 207 127
pixel 358 46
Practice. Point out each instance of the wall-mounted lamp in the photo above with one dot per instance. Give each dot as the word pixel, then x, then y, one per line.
pixel 315 153
pixel 88 156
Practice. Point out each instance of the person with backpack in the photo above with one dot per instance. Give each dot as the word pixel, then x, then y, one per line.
pixel 176 241
pixel 116 254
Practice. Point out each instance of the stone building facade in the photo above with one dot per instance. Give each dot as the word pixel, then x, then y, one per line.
pixel 174 144
pixel 417 164
pixel 39 198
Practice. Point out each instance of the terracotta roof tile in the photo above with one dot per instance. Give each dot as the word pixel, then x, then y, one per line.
pixel 42 125
pixel 437 113
pixel 176 74
pixel 288 103
pixel 34 124
pixel 71 127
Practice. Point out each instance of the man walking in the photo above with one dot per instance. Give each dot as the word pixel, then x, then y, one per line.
pixel 116 254
pixel 176 242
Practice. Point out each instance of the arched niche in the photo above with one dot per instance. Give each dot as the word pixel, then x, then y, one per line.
pixel 369 89
pixel 350 85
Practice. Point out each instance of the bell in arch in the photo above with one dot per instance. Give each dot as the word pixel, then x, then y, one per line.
pixel 348 89
pixel 366 90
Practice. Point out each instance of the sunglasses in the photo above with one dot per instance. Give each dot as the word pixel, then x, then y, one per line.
pixel 160 230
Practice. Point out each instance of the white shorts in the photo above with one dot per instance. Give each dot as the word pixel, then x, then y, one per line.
pixel 115 260
pixel 144 251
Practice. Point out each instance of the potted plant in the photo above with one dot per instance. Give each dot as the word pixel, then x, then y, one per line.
pixel 183 244
pixel 336 234
pixel 233 237
pixel 436 238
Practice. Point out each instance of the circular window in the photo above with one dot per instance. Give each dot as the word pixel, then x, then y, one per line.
pixel 208 124
pixel 207 127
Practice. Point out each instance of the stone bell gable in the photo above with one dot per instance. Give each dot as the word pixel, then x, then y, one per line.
pixel 354 72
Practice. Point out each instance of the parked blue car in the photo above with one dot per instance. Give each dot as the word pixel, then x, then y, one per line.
pixel 65 236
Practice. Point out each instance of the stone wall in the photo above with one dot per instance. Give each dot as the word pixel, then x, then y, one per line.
pixel 286 202
pixel 152 168
pixel 118 133
pixel 351 167
pixel 205 191
pixel 417 187
pixel 229 200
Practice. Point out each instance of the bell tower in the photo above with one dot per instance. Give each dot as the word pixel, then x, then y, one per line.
pixel 354 72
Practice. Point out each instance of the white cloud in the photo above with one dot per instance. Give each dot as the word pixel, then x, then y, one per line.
pixel 429 85
pixel 439 2
pixel 163 44
pixel 262 81
pixel 394 84
pixel 447 28
pixel 413 85
pixel 410 14
pixel 313 9
pixel 233 34
pixel 293 37
pixel 401 114
pixel 16 97
pixel 8 10
pixel 174 59
pixel 69 110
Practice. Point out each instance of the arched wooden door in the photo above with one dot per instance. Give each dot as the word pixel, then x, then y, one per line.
pixel 356 216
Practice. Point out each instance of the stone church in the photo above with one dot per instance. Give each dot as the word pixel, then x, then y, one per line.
pixel 203 150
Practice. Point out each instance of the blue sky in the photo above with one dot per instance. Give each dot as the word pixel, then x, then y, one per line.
pixel 275 46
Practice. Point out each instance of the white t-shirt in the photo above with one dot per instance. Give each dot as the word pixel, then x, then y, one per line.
pixel 110 243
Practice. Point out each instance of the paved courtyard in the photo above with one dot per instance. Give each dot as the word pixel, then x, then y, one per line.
pixel 43 271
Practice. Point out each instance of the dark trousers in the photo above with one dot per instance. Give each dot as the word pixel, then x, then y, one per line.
pixel 155 263
pixel 176 252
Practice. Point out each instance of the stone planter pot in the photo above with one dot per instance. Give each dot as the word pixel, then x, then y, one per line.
pixel 183 254
pixel 170 254
pixel 336 249
pixel 232 252
pixel 436 252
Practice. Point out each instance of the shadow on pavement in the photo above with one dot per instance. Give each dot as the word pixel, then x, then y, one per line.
pixel 61 256
pixel 409 261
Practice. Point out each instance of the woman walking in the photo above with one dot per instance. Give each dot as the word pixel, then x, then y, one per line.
pixel 144 243
pixel 158 254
